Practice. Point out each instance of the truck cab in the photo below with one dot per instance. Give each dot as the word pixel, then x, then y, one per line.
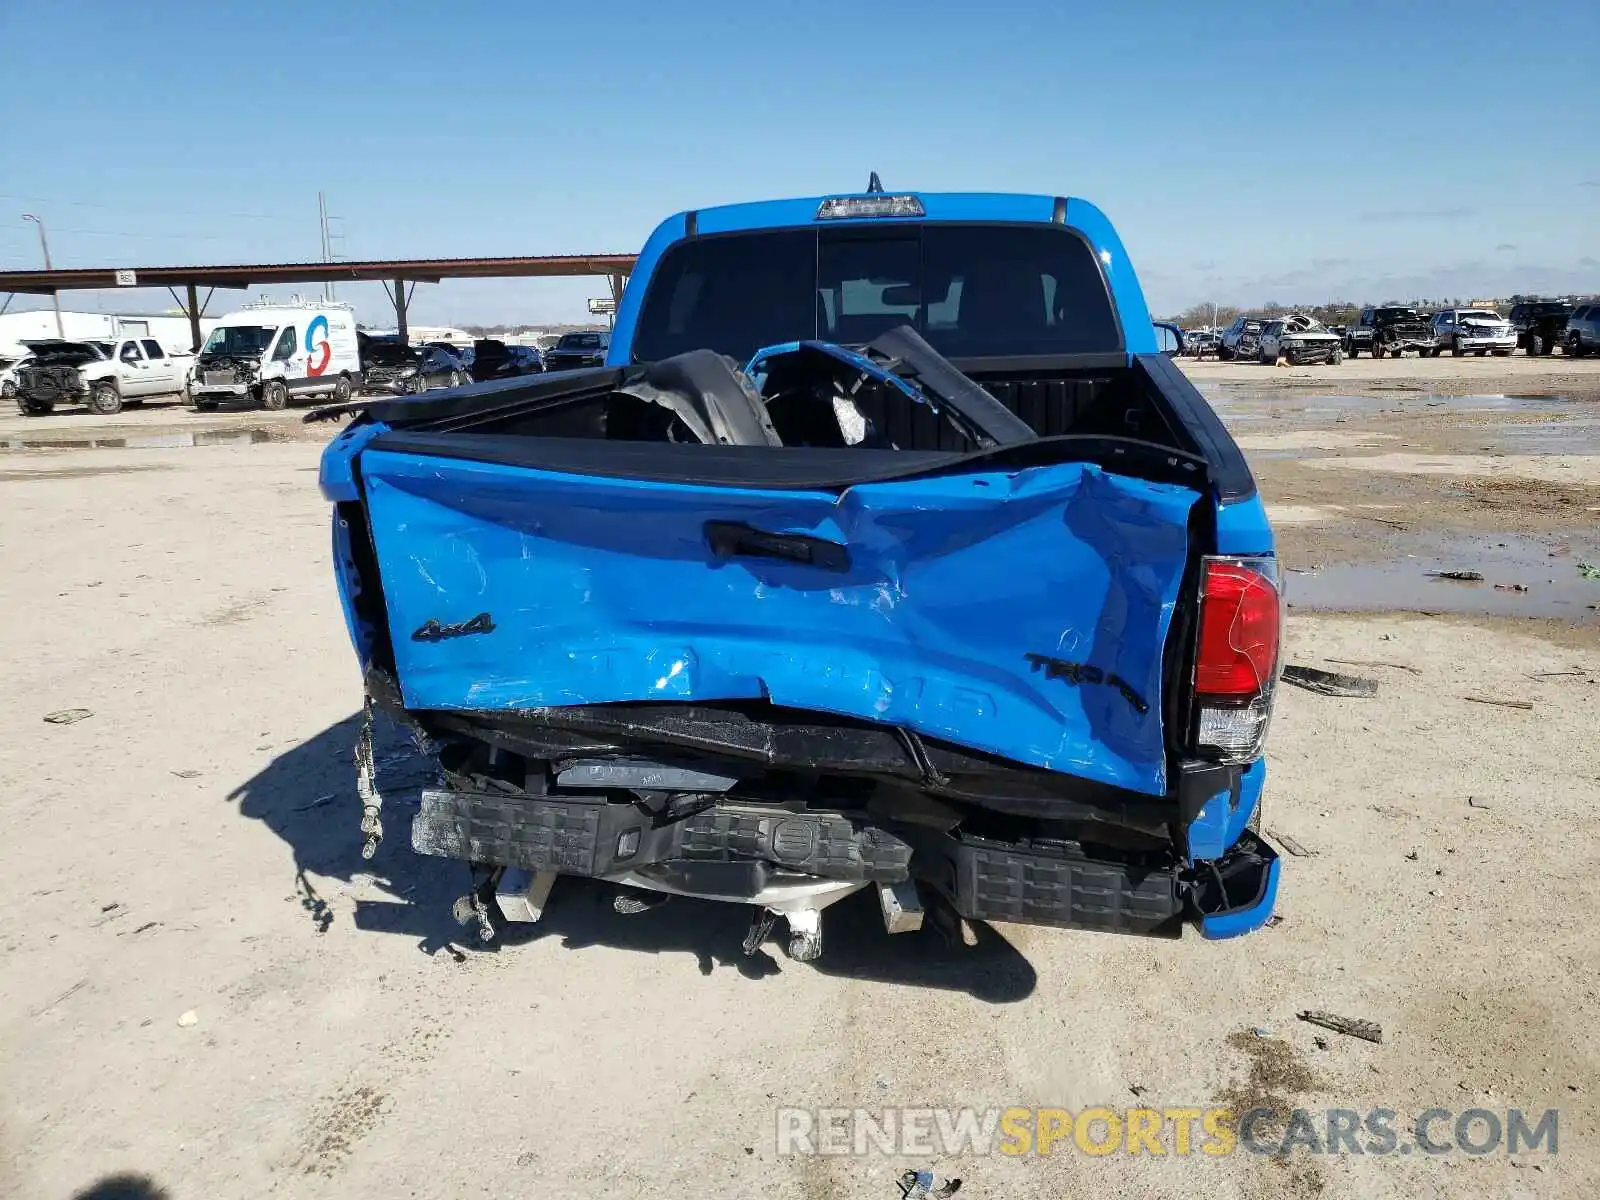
pixel 887 549
pixel 103 375
pixel 1540 325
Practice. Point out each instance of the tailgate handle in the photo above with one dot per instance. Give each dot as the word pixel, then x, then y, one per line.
pixel 734 539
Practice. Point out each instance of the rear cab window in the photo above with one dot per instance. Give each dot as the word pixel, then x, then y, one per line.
pixel 152 348
pixel 971 290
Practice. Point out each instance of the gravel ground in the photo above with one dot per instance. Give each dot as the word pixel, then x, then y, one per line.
pixel 191 848
pixel 1447 376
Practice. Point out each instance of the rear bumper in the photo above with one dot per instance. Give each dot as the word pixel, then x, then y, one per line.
pixel 737 850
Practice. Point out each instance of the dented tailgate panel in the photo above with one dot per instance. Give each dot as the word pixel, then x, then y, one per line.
pixel 1023 613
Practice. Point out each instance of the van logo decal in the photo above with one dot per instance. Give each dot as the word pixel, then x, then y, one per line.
pixel 318 323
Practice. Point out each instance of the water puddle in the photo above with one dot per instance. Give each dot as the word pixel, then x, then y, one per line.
pixel 147 441
pixel 1564 435
pixel 1546 567
pixel 1244 404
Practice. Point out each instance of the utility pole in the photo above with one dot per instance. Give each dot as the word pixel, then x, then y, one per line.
pixel 55 296
pixel 329 236
pixel 327 245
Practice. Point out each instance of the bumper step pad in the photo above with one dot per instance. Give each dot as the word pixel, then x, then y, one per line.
pixel 998 882
pixel 983 880
pixel 580 836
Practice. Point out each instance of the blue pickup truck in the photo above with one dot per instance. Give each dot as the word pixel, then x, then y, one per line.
pixel 885 551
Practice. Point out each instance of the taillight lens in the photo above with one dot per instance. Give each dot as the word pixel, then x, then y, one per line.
pixel 1236 661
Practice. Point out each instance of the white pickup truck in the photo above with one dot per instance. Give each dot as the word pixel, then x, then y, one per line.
pixel 101 375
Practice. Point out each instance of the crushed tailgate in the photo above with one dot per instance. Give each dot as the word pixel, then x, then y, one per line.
pixel 1022 613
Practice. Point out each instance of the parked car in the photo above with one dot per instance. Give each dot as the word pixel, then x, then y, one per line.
pixel 528 358
pixel 1300 341
pixel 1477 331
pixel 585 349
pixel 493 359
pixel 8 375
pixel 1541 325
pixel 1583 330
pixel 1200 342
pixel 1389 329
pixel 390 367
pixel 451 348
pixel 1242 339
pixel 770 635
pixel 104 376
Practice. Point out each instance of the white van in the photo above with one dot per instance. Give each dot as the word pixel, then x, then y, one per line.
pixel 272 352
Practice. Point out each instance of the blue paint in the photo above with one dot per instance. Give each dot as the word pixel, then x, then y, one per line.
pixel 1139 335
pixel 1242 527
pixel 605 590
pixel 761 361
pixel 620 351
pixel 336 470
pixel 1239 921
pixel 348 581
pixel 1219 823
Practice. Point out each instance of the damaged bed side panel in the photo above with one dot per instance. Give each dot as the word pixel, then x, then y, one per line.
pixel 1022 614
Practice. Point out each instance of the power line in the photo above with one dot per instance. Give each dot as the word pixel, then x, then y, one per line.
pixel 170 212
pixel 165 237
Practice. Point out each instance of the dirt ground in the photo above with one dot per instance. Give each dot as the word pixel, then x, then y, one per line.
pixel 191 848
pixel 1445 376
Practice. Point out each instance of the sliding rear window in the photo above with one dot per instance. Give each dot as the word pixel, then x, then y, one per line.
pixel 971 290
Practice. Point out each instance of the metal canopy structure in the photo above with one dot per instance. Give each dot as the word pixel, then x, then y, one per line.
pixel 394 274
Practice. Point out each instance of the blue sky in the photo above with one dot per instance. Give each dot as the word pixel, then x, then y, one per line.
pixel 1246 151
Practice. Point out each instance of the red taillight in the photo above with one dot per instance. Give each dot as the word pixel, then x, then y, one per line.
pixel 1239 630
pixel 1236 658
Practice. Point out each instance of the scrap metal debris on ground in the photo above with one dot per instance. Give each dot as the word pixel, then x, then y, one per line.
pixel 1368 1031
pixel 1373 662
pixel 1522 704
pixel 68 716
pixel 1294 847
pixel 919 1185
pixel 1330 683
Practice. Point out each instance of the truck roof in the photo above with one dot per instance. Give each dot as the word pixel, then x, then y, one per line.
pixel 936 206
